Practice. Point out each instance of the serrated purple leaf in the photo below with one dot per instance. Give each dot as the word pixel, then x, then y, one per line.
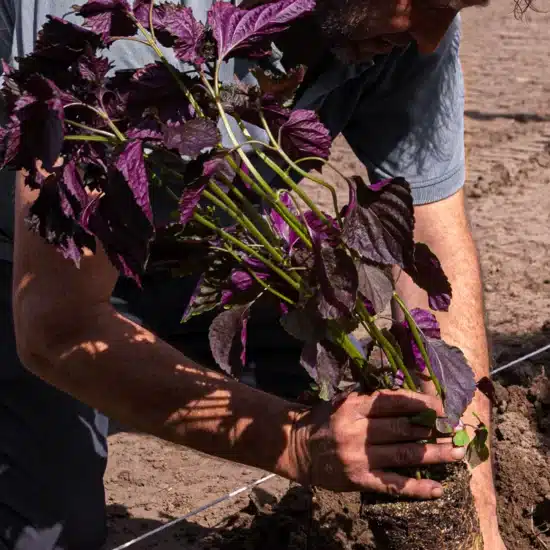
pixel 146 129
pixel 325 363
pixel 427 273
pixel 338 280
pixel 455 375
pixel 281 227
pixel 428 326
pixel 222 334
pixel 108 18
pixel 304 324
pixel 375 286
pixel 304 135
pixel 243 32
pixel 72 184
pixel 426 322
pixel 131 165
pixel 93 68
pixel 189 201
pixel 41 134
pixel 380 227
pixel 192 138
pixel 188 33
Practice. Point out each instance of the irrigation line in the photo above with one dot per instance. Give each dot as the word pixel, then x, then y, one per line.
pixel 228 496
pixel 521 359
pixel 237 492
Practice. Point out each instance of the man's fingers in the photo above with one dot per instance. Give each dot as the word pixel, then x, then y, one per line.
pixel 393 429
pixel 395 403
pixel 390 483
pixel 412 454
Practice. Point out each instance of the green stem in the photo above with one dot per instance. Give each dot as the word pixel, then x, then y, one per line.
pixel 245 248
pixel 168 65
pixel 321 182
pixel 103 115
pixel 419 342
pixel 220 199
pixel 86 138
pixel 263 284
pixel 250 210
pixel 284 176
pixel 393 356
pixel 89 128
pixel 267 192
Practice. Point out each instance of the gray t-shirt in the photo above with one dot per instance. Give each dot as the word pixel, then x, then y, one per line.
pixel 402 113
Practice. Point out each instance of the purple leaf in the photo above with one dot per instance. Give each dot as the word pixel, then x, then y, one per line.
pixel 380 227
pixel 455 375
pixel 281 87
pixel 426 323
pixel 218 167
pixel 175 27
pixel 131 165
pixel 427 273
pixel 153 88
pixel 41 134
pixel 108 18
pixel 188 33
pixel 193 138
pixel 208 291
pixel 428 326
pixel 338 279
pixel 244 32
pixel 146 129
pixel 303 135
pixel 325 363
pixel 141 10
pixel 319 229
pixel 56 224
pixel 189 201
pixel 121 224
pixel 376 286
pixel 93 68
pixel 280 226
pixel 64 42
pixel 305 324
pixel 222 333
pixel 72 184
pixel 242 280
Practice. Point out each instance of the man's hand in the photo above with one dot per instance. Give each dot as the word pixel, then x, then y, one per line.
pixel 348 446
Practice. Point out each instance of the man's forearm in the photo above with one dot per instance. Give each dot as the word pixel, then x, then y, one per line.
pixel 445 229
pixel 132 376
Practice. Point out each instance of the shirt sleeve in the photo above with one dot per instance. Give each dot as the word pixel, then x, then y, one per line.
pixel 412 123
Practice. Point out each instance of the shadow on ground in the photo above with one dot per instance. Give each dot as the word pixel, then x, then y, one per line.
pixel 264 524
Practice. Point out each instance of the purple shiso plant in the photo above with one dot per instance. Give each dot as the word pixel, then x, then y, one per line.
pixel 95 143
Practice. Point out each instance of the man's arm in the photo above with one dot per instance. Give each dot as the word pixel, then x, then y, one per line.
pixel 444 227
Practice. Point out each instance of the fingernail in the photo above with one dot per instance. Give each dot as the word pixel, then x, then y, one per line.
pixel 458 453
pixel 437 492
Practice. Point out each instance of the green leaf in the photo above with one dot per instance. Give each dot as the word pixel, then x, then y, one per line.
pixel 478 451
pixel 461 438
pixel 425 418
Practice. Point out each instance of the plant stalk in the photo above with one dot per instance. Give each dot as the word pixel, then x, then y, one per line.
pixel 419 342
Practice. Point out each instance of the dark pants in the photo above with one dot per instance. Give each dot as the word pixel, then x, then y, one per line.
pixel 53 449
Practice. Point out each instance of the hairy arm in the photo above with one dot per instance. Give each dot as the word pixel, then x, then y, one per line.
pixel 68 334
pixel 444 227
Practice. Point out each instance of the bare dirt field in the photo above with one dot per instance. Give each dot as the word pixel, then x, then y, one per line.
pixel 506 64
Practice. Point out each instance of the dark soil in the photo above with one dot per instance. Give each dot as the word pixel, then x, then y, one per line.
pixel 522 443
